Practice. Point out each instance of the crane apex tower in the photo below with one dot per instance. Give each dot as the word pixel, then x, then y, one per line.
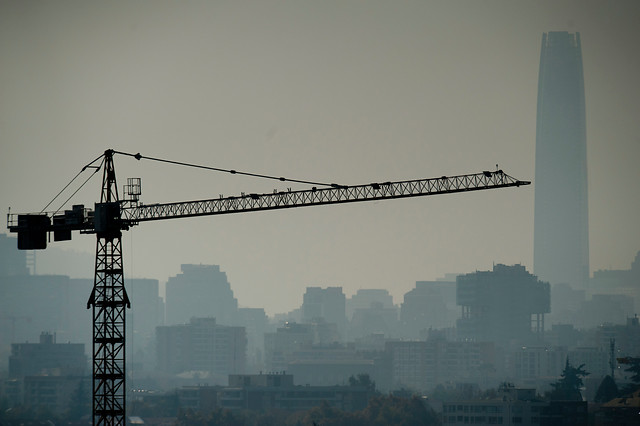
pixel 561 234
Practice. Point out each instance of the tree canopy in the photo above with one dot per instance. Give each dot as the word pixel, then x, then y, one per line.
pixel 607 390
pixel 568 387
pixel 633 367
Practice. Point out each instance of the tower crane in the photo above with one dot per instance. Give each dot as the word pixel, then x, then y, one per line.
pixel 113 215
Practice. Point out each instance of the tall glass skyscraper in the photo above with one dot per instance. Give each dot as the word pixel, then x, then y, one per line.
pixel 561 234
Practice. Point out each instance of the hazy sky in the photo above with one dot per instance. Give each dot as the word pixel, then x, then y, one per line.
pixel 341 91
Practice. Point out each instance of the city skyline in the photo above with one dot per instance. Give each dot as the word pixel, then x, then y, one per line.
pixel 342 92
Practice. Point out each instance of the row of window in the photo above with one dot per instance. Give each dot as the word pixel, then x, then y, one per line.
pixel 472 408
pixel 492 420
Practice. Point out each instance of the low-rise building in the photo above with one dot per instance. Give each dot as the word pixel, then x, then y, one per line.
pixel 514 406
pixel 47 358
pixel 56 393
pixel 261 392
pixel 421 365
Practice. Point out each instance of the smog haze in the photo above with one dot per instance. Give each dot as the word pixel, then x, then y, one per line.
pixel 347 92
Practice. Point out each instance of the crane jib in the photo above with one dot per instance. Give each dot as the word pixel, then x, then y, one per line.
pixel 112 217
pixel 335 195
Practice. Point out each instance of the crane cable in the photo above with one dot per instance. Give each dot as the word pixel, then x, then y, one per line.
pixel 97 169
pixel 90 165
pixel 139 156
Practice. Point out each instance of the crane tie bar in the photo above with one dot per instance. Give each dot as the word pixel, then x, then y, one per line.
pixel 139 156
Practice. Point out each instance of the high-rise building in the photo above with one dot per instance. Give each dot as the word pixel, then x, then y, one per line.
pixel 200 291
pixel 328 304
pixel 430 305
pixel 12 260
pixel 561 235
pixel 504 305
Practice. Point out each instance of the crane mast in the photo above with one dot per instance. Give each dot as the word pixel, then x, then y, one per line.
pixel 109 300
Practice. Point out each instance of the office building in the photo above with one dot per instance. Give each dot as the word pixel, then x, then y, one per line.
pixel 430 305
pixel 325 304
pixel 201 346
pixel 264 392
pixel 47 358
pixel 514 406
pixel 506 305
pixel 422 365
pixel 200 291
pixel 561 234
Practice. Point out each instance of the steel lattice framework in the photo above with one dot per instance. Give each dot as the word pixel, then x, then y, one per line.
pixel 109 300
pixel 335 195
pixel 112 215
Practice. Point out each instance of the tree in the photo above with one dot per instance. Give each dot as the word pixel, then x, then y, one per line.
pixel 80 403
pixel 633 367
pixel 607 390
pixel 390 410
pixel 362 380
pixel 568 387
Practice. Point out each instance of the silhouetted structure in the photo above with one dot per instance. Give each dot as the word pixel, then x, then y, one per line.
pixel 366 297
pixel 263 392
pixel 503 305
pixel 431 304
pixel 142 322
pixel 32 303
pixel 328 304
pixel 201 346
pixel 283 346
pixel 537 366
pixel 200 291
pixel 47 358
pixel 514 406
pixel 561 240
pixel 422 365
pixel 511 406
pixel 45 375
pixel 329 365
pixel 113 215
pixel 371 311
pixel 627 339
pixel 620 411
pixel 56 394
pixel 12 260
pixel 255 322
pixel 621 281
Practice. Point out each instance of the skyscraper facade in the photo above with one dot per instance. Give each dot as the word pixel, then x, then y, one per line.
pixel 561 235
pixel 200 291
